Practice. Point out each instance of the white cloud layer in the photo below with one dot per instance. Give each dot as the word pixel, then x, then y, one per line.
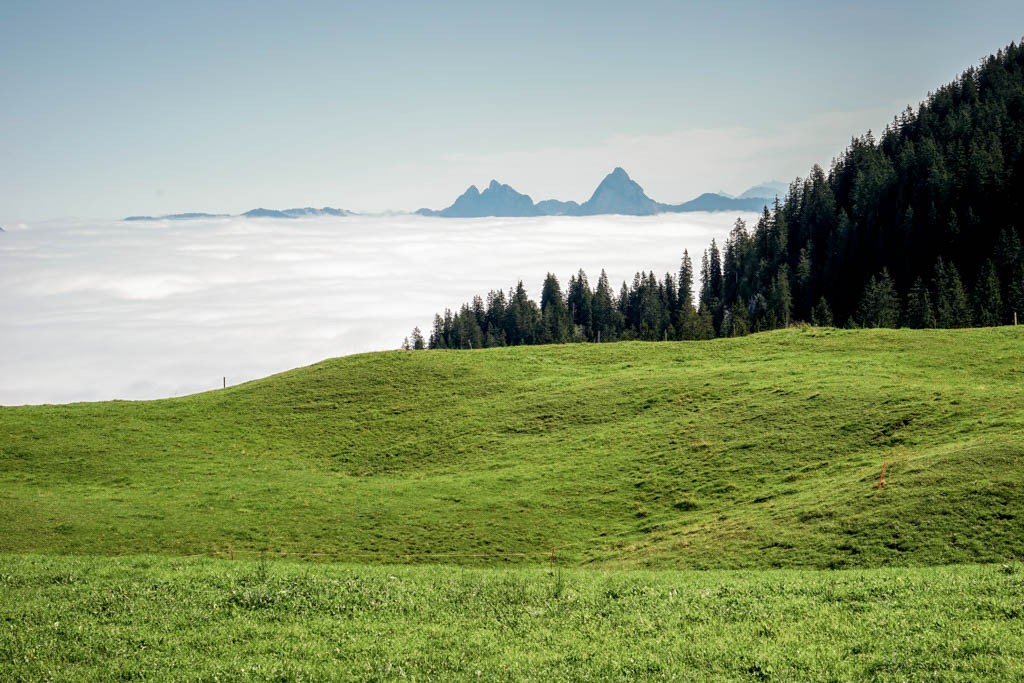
pixel 96 311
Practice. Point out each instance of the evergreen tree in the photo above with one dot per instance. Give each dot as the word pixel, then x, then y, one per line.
pixel 1009 257
pixel 735 323
pixel 736 286
pixel 951 307
pixel 780 301
pixel 417 340
pixel 685 313
pixel 704 327
pixel 495 319
pixel 821 314
pixel 804 293
pixel 466 332
pixel 670 306
pixel 653 320
pixel 580 301
pixel 758 313
pixel 715 286
pixel 988 302
pixel 622 313
pixel 556 323
pixel 920 312
pixel 437 335
pixel 880 305
pixel 704 301
pixel 522 317
pixel 1015 295
pixel 604 312
pixel 711 287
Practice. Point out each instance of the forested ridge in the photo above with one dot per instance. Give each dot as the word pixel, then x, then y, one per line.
pixel 919 228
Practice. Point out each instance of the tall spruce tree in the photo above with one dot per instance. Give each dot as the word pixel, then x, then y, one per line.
pixel 685 315
pixel 920 312
pixel 495 317
pixel 580 300
pixel 604 312
pixel 437 334
pixel 988 300
pixel 951 306
pixel 556 323
pixel 418 344
pixel 880 305
pixel 522 317
pixel 821 314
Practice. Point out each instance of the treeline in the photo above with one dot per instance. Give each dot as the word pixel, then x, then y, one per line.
pixel 651 308
pixel 920 227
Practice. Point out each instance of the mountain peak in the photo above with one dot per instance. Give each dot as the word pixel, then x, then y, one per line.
pixel 618 193
pixel 495 200
pixel 766 190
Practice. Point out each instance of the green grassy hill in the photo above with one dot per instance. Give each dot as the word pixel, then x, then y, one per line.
pixel 756 452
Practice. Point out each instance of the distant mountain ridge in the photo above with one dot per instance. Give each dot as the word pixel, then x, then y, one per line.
pixel 495 200
pixel 770 189
pixel 178 217
pixel 616 194
pixel 712 201
pixel 252 213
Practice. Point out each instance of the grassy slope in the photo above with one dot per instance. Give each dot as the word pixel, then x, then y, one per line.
pixel 103 619
pixel 754 452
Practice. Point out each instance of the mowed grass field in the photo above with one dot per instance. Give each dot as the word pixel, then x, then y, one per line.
pixel 535 513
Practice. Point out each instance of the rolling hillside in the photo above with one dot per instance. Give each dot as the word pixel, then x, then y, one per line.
pixel 762 451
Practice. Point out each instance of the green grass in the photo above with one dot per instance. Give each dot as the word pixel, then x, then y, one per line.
pixel 444 482
pixel 158 618
pixel 745 453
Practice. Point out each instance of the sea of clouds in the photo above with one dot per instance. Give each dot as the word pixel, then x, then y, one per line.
pixel 127 310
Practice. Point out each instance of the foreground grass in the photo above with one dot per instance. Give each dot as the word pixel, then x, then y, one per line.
pixel 754 452
pixel 174 619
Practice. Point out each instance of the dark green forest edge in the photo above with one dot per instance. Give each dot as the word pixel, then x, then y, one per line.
pixel 920 228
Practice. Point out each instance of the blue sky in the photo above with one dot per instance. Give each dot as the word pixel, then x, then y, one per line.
pixel 114 108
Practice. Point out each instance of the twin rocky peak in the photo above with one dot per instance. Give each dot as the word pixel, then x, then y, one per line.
pixel 617 194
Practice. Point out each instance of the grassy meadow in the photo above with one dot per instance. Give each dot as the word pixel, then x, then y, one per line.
pixel 158 618
pixel 535 513
pixel 756 452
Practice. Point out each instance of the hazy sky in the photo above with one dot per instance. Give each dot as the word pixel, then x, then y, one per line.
pixel 114 108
